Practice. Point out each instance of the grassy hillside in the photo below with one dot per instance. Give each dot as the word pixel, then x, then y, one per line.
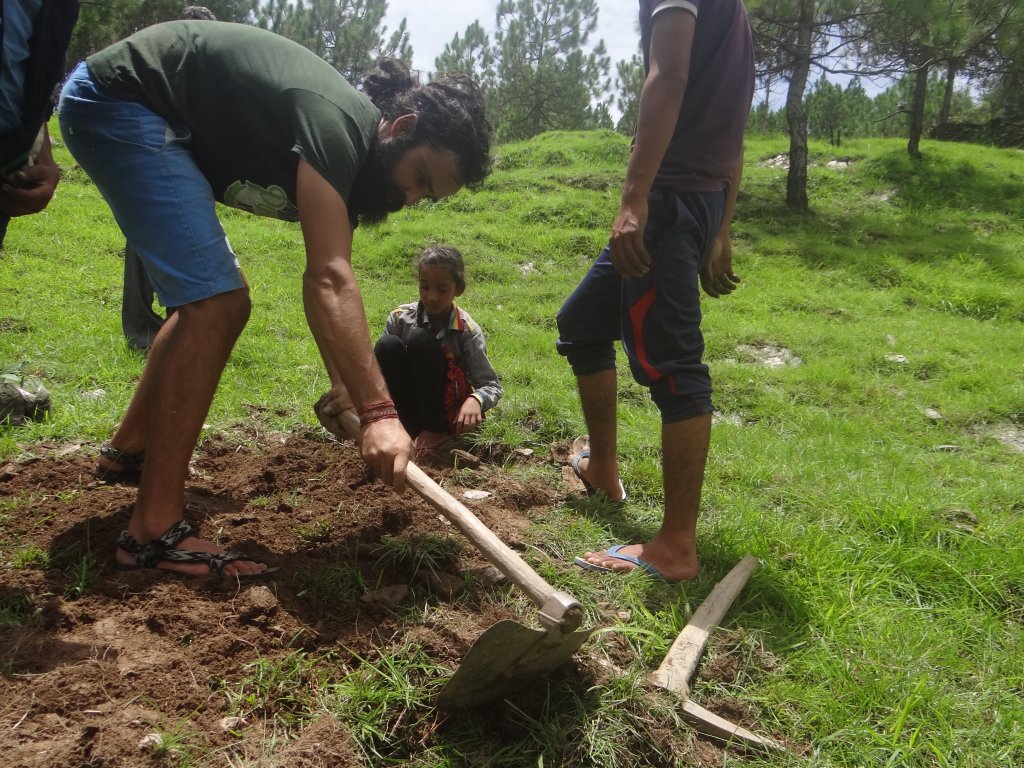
pixel 877 475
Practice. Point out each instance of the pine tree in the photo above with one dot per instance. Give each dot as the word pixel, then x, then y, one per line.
pixel 546 77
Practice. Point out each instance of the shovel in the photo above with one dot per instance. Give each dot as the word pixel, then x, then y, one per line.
pixel 507 655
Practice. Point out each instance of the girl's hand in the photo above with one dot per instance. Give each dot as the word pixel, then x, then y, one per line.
pixel 470 415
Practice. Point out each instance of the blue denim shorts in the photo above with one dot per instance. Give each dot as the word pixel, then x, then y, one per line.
pixel 164 205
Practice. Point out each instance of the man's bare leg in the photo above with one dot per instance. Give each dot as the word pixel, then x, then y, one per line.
pixel 167 412
pixel 673 551
pixel 599 399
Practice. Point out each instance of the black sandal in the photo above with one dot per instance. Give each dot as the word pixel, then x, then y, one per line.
pixel 130 472
pixel 150 555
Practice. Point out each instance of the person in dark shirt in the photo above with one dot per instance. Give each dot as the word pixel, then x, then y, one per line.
pixel 670 237
pixel 34 37
pixel 185 114
pixel 139 322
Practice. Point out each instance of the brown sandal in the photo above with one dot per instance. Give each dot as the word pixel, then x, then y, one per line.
pixel 130 472
pixel 151 554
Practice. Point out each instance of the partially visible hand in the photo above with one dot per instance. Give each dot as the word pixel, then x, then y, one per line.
pixel 470 415
pixel 627 251
pixel 386 448
pixel 334 401
pixel 329 408
pixel 29 189
pixel 717 278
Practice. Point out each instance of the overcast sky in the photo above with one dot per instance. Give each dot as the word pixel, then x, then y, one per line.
pixel 432 25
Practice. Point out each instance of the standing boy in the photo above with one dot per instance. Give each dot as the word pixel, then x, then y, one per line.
pixel 670 236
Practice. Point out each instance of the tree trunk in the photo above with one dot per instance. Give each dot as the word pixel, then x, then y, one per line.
pixel 917 112
pixel 766 115
pixel 947 94
pixel 796 115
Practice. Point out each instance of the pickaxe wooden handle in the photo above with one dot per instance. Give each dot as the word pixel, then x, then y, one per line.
pixel 557 609
pixel 683 657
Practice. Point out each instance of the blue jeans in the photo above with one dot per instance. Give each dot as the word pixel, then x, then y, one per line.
pixel 164 205
pixel 656 317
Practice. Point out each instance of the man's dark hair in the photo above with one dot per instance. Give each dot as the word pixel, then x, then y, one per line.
pixel 198 12
pixel 450 114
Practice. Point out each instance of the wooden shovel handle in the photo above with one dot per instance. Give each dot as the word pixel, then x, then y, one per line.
pixel 557 607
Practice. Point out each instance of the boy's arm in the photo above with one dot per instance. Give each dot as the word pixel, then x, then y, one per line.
pixel 716 276
pixel 660 102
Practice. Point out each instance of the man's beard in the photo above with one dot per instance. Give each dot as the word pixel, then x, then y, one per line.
pixel 374 192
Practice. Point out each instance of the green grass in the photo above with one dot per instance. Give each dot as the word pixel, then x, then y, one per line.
pixel 423 552
pixel 884 627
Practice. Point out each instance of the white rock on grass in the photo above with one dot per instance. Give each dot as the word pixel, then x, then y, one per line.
pixel 769 355
pixel 151 742
pixel 232 723
pixel 1009 435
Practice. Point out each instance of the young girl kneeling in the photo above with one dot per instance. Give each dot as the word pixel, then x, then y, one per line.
pixel 434 357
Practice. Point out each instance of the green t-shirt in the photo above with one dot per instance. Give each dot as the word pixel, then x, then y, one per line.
pixel 253 102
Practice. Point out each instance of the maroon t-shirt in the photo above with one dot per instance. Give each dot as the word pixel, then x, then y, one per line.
pixel 708 138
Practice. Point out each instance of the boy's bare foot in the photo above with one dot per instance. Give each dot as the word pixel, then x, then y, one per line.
pixel 594 482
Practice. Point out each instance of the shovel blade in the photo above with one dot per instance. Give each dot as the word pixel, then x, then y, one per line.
pixel 506 657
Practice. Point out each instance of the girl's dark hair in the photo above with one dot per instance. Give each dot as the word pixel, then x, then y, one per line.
pixel 450 114
pixel 447 257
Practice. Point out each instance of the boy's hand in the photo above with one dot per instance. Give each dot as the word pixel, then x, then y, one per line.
pixel 470 415
pixel 717 278
pixel 627 251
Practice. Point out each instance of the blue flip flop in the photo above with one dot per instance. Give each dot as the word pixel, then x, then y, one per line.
pixel 619 555
pixel 590 489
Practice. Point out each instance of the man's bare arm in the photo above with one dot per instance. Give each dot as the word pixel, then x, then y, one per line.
pixel 337 317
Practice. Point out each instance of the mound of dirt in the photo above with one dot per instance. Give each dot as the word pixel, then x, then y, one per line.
pixel 94 662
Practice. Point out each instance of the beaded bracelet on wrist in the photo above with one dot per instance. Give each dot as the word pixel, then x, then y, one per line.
pixel 367 407
pixel 378 415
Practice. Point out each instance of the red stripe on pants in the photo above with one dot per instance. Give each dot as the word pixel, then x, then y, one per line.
pixel 637 315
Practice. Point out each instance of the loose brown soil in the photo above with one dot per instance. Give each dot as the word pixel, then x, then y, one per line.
pixel 100 659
